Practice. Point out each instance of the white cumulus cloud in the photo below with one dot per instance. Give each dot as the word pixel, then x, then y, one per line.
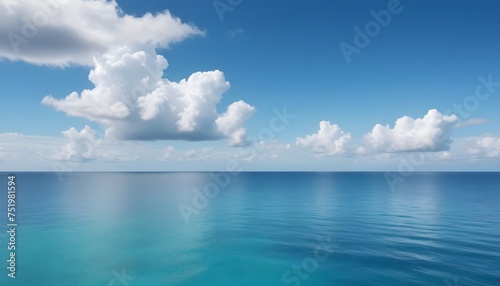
pixel 484 146
pixel 80 146
pixel 430 133
pixel 134 102
pixel 329 140
pixel 231 122
pixel 130 98
pixel 63 32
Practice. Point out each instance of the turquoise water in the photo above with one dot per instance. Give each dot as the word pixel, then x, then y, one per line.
pixel 254 229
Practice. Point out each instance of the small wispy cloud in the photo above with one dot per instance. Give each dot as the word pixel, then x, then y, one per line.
pixel 3 152
pixel 471 122
pixel 235 33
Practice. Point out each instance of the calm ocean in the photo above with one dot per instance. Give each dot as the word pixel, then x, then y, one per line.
pixel 131 229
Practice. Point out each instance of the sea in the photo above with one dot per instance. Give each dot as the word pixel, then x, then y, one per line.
pixel 251 228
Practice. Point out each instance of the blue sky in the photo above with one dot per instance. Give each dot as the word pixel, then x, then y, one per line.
pixel 274 54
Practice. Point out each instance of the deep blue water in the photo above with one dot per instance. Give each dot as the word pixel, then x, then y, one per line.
pixel 260 229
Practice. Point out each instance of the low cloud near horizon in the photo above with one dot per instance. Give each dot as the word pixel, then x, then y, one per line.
pixel 431 133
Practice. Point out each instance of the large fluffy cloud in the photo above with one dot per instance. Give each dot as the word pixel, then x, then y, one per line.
pixel 130 97
pixel 329 140
pixel 134 102
pixel 430 133
pixel 62 32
